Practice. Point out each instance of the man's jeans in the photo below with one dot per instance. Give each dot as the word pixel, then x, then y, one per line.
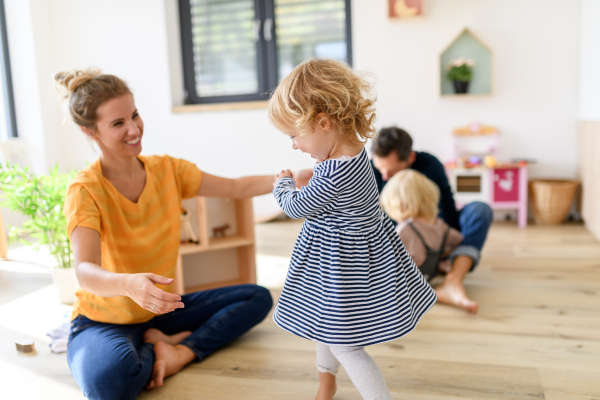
pixel 111 361
pixel 475 220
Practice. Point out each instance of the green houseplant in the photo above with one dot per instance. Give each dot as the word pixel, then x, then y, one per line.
pixel 41 199
pixel 460 72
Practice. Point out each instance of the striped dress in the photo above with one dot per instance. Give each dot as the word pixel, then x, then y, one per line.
pixel 351 281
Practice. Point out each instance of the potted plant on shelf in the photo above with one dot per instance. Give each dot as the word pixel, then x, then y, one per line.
pixel 41 200
pixel 460 72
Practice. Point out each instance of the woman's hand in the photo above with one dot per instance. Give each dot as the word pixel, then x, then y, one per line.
pixel 302 177
pixel 142 289
pixel 281 175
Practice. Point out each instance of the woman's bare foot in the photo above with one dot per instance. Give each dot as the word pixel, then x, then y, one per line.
pixel 154 336
pixel 327 386
pixel 170 359
pixel 453 293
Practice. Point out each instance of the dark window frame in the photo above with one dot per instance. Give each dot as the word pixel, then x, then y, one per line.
pixel 267 68
pixel 9 100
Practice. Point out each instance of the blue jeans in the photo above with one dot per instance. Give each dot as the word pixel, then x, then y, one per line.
pixel 474 220
pixel 111 361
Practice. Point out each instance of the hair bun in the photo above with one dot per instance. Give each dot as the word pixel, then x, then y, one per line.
pixel 68 81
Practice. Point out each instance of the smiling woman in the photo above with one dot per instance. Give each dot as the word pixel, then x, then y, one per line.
pixel 123 218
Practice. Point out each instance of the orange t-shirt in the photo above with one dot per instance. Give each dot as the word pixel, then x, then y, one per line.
pixel 134 237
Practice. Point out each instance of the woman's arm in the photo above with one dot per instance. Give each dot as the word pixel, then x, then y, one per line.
pixel 239 188
pixel 96 280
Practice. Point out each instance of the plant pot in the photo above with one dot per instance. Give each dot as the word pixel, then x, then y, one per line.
pixel 461 87
pixel 66 284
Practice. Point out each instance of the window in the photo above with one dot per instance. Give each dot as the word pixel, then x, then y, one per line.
pixel 8 121
pixel 238 50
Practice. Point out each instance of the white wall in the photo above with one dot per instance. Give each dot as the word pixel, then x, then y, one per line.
pixel 589 84
pixel 24 61
pixel 589 114
pixel 536 65
pixel 38 123
pixel 535 68
pixel 134 46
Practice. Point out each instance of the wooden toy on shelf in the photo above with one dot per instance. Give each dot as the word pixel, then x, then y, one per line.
pixel 186 225
pixel 219 260
pixel 219 231
pixel 475 174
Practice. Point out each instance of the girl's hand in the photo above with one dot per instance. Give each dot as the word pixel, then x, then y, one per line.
pixel 281 175
pixel 142 289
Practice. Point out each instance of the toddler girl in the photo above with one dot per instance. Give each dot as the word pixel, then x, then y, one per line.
pixel 411 199
pixel 351 282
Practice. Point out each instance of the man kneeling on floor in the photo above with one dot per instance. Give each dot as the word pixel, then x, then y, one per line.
pixel 392 152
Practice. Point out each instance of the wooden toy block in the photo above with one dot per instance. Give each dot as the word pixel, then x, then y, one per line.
pixel 25 346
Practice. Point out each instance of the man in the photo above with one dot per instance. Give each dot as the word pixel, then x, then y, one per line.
pixel 392 152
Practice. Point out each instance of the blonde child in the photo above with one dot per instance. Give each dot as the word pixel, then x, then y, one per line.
pixel 351 282
pixel 411 199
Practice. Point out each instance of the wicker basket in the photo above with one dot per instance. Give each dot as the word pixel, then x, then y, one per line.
pixel 551 200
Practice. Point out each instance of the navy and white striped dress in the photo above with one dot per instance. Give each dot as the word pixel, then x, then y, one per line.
pixel 351 281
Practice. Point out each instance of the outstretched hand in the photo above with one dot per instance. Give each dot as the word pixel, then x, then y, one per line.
pixel 142 289
pixel 302 177
pixel 281 175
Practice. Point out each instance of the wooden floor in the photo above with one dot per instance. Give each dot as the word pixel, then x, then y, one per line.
pixel 536 336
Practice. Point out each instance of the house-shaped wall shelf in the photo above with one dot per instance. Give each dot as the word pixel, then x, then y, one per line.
pixel 467 45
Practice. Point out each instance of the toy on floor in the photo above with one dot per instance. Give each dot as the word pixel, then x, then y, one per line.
pixel 475 174
pixel 186 224
pixel 25 346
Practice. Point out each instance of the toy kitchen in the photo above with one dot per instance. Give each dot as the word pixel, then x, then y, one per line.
pixel 475 174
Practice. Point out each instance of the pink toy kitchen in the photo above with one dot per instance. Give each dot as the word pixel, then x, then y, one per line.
pixel 475 174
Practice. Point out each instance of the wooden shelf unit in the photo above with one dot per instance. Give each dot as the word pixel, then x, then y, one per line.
pixel 222 261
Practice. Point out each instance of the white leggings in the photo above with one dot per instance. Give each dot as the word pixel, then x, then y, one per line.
pixel 361 369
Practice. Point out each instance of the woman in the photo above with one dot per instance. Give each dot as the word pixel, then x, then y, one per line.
pixel 123 214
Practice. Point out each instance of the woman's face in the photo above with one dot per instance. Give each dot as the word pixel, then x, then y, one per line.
pixel 119 128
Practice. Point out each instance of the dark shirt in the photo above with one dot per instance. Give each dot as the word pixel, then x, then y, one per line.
pixel 432 168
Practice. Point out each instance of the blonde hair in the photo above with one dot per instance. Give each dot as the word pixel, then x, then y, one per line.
pixel 329 87
pixel 410 194
pixel 86 90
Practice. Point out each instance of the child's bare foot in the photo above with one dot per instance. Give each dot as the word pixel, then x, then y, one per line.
pixel 169 360
pixel 327 386
pixel 154 336
pixel 454 294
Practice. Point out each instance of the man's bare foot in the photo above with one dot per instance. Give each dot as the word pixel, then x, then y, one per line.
pixel 169 360
pixel 454 294
pixel 154 336
pixel 327 386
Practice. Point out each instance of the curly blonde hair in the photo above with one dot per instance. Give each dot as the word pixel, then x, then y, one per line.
pixel 328 87
pixel 86 90
pixel 410 194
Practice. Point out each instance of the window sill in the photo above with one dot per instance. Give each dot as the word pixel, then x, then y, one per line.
pixel 245 105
